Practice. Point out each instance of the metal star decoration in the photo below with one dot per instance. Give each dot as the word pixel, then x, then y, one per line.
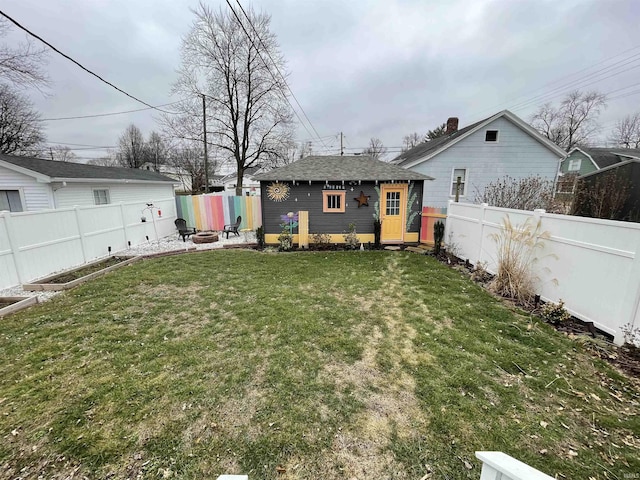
pixel 362 199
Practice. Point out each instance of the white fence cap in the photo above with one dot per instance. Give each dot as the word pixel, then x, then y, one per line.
pixel 511 467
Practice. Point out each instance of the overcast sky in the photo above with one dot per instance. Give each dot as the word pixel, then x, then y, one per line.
pixel 381 68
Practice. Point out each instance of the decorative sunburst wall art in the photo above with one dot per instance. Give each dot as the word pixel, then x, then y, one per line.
pixel 277 191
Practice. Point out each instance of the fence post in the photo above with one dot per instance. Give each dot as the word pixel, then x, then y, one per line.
pixel 15 248
pixel 124 224
pixel 483 213
pixel 632 316
pixel 83 246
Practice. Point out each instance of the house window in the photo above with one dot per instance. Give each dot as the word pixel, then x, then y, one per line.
pixel 393 203
pixel 462 174
pixel 491 136
pixel 101 196
pixel 10 200
pixel 333 202
pixel 574 164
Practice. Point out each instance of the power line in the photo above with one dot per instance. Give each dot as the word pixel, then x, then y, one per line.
pixel 274 64
pixel 78 63
pixel 568 76
pixel 110 114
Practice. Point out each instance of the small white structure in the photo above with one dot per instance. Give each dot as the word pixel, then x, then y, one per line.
pixel 32 184
pixel 479 154
pixel 500 466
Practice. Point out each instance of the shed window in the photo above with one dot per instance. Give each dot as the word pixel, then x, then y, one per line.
pixel 333 202
pixel 491 136
pixel 462 174
pixel 393 203
pixel 574 164
pixel 101 196
pixel 10 200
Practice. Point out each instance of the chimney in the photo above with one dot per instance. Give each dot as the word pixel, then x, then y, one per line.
pixel 452 125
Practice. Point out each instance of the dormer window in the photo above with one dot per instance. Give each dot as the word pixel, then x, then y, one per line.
pixel 491 136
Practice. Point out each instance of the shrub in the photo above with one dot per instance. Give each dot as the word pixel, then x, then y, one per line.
pixel 555 312
pixel 480 273
pixel 260 236
pixel 320 241
pixel 285 238
pixel 516 256
pixel 351 237
pixel 438 237
pixel 377 231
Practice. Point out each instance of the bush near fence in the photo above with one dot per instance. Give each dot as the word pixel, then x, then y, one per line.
pixel 593 265
pixel 36 244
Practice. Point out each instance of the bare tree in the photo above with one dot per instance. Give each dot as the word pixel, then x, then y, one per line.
pixel 526 193
pixel 108 160
pixel 376 149
pixel 573 122
pixel 131 148
pixel 60 153
pixel 437 132
pixel 155 150
pixel 409 141
pixel 22 65
pixel 603 197
pixel 187 159
pixel 248 117
pixel 21 131
pixel 626 133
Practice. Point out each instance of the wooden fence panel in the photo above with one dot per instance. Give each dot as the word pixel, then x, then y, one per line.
pixel 214 211
pixel 431 215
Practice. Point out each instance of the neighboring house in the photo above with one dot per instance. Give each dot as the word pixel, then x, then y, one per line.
pixel 339 190
pixel 584 160
pixel 250 186
pixel 498 146
pixel 31 184
pixel 611 192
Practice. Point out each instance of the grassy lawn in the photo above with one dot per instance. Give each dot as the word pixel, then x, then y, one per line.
pixel 315 365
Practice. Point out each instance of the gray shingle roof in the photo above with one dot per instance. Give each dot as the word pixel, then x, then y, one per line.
pixel 321 168
pixel 70 170
pixel 605 157
pixel 425 148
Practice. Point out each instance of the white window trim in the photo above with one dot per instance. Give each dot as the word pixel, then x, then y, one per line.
pixel 572 160
pixel 465 184
pixel 492 130
pixel 94 190
pixel 23 201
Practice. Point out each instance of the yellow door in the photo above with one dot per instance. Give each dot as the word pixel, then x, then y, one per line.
pixel 393 212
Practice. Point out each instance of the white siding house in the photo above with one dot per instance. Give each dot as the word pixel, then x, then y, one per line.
pixel 493 148
pixel 31 184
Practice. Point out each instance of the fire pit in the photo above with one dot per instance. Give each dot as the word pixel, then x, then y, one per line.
pixel 205 237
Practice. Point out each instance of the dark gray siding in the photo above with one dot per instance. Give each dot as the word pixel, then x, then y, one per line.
pixel 309 197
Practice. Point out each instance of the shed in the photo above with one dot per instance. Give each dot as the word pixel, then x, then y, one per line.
pixel 337 191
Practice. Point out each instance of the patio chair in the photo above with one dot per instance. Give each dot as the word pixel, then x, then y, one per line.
pixel 183 231
pixel 233 227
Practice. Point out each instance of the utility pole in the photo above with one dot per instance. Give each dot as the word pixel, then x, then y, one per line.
pixel 206 160
pixel 341 147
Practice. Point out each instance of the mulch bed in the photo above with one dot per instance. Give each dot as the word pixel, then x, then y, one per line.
pixel 81 272
pixel 6 303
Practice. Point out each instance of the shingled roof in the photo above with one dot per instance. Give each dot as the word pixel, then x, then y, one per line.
pixel 605 157
pixel 426 149
pixel 57 171
pixel 335 168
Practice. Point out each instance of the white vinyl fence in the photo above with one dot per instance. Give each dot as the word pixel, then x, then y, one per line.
pixel 593 265
pixel 36 244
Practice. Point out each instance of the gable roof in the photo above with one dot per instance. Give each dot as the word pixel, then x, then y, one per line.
pixel 51 171
pixel 628 161
pixel 427 150
pixel 336 167
pixel 603 157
